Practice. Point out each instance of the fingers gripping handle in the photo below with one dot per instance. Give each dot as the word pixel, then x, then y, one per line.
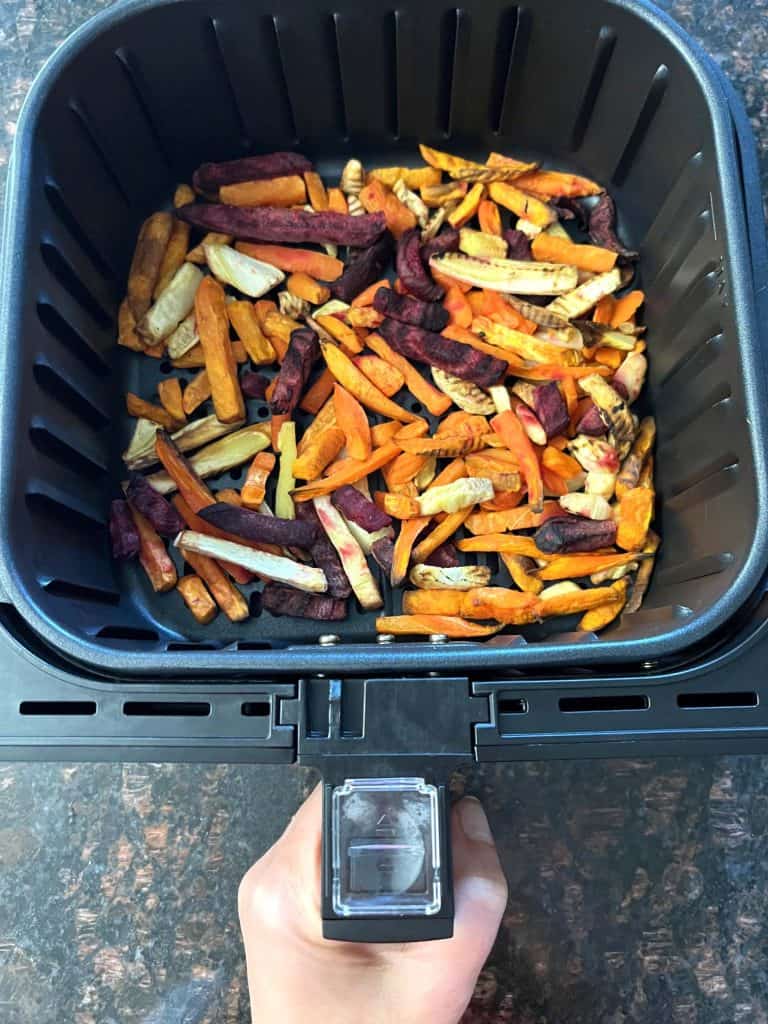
pixel 386 871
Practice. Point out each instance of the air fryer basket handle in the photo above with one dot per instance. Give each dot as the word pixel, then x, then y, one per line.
pixel 386 869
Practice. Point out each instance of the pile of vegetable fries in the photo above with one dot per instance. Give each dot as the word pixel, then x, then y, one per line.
pixel 449 353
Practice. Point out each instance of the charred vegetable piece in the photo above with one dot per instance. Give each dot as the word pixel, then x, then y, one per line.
pixel 383 551
pixel 211 176
pixel 519 276
pixel 323 553
pixel 282 600
pixel 429 315
pixel 122 531
pixel 161 514
pixel 518 245
pixel 244 522
pixel 460 577
pixel 303 352
pixel 602 227
pixel 591 423
pixel 445 557
pixel 271 224
pixel 355 506
pixel 411 271
pixel 550 408
pixel 463 393
pixel 253 385
pixel 368 266
pixel 446 241
pixel 569 534
pixel 613 410
pixel 435 350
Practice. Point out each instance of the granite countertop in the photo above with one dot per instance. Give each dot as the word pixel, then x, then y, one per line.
pixel 638 888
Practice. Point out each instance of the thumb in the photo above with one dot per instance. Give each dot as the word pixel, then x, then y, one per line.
pixel 480 888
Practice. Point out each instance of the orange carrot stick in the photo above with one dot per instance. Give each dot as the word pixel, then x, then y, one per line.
pixel 355 381
pixel 376 197
pixel 365 298
pixel 489 216
pixel 353 420
pixel 427 625
pixel 551 249
pixel 349 475
pixel 626 307
pixel 316 264
pixel 603 313
pixel 435 401
pixel 457 307
pixel 318 394
pixel 510 430
pixel 409 531
pixel 286 191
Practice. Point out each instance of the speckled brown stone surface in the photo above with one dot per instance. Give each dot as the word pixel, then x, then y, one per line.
pixel 638 888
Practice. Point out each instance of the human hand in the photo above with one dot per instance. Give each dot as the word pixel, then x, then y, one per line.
pixel 295 975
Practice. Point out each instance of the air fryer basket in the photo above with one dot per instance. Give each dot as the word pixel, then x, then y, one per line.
pixel 146 91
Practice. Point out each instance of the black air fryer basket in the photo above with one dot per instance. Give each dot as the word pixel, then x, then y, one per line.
pixel 131 105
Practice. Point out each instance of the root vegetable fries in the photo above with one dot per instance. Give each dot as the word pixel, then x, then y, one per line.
pixel 365 298
pixel 194 359
pixel 558 462
pixel 196 392
pixel 634 516
pixel 502 542
pixel 126 329
pixel 434 401
pixel 307 288
pixel 429 625
pixel 455 496
pixel 242 315
pixel 263 563
pixel 432 602
pixel 579 601
pixel 213 327
pixel 182 473
pixel 399 506
pixel 350 553
pixel 342 333
pixel 549 249
pixel 522 204
pixel 353 471
pixel 566 567
pixel 489 216
pixel 155 560
pixel 555 486
pixel 510 607
pixel 521 518
pixel 383 433
pixel 353 421
pixel 286 191
pixel 355 381
pixel 581 299
pixel 519 568
pixel 147 260
pixel 644 573
pixel 600 617
pixel 197 255
pixel 169 393
pixel 279 329
pixel 136 406
pixel 401 557
pixel 458 577
pixel 509 428
pixel 413 177
pixel 183 338
pixel 366 318
pixel 467 208
pixel 337 201
pixel 440 534
pixel 325 418
pixel 466 337
pixel 321 453
pixel 603 311
pixel 194 522
pixel 196 597
pixel 403 469
pixel 386 378
pixel 230 496
pixel 625 308
pixel 557 183
pixel 176 250
pixel 457 306
pixel 254 489
pixel 376 197
pixel 523 346
pixel 318 265
pixel 316 397
pixel 503 501
pixel 218 457
pixel 225 594
pixel 316 192
pixel 173 306
pixel 286 445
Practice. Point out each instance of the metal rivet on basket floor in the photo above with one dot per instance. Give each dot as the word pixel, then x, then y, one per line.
pixel 438 638
pixel 328 639
pixel 385 638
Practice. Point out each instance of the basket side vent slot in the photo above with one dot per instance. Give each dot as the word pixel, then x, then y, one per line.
pixel 47 443
pixel 130 69
pixel 74 286
pixel 604 702
pixel 166 709
pixel 255 709
pixel 604 46
pixel 712 701
pixel 62 391
pixel 72 340
pixel 86 130
pixel 62 211
pixel 517 54
pixel 71 591
pixel 652 103
pixel 57 708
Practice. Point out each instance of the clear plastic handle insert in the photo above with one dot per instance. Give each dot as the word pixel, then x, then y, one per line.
pixel 385 848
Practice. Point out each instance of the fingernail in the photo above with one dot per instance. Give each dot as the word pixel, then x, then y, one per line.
pixel 474 823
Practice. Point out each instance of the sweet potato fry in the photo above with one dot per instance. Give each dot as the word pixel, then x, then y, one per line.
pixel 522 204
pixel 435 401
pixel 409 531
pixel 403 469
pixel 337 201
pixel 502 476
pixel 355 381
pixel 566 567
pixel 279 328
pixel 502 542
pixel 602 616
pixel 190 485
pixel 549 249
pixel 353 420
pixel 386 378
pixel 634 515
pixel 307 288
pixel 467 208
pixel 558 462
pixel 195 358
pixel 176 250
pixel 127 335
pixel 136 406
pixel 323 450
pixel 230 496
pixel 254 489
pixel 413 177
pixel 521 518
pixel 439 195
pixel 625 308
pixel 225 594
pixel 316 396
pixel 490 218
pixel 365 317
pixel 316 193
pixel 213 326
pixel 376 197
pixel 510 607
pixel 520 569
pixel 433 625
pixel 341 332
pixel 242 315
pixel 155 560
pixel 196 392
pixel 365 298
pixel 325 418
pixel 352 472
pixel 316 264
pixel 579 601
pixel 399 506
pixel 557 183
pixel 196 597
pixel 440 534
pixel 511 432
pixel 286 191
pixel 147 260
pixel 457 306
pixel 503 501
pixel 169 393
pixel 432 602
